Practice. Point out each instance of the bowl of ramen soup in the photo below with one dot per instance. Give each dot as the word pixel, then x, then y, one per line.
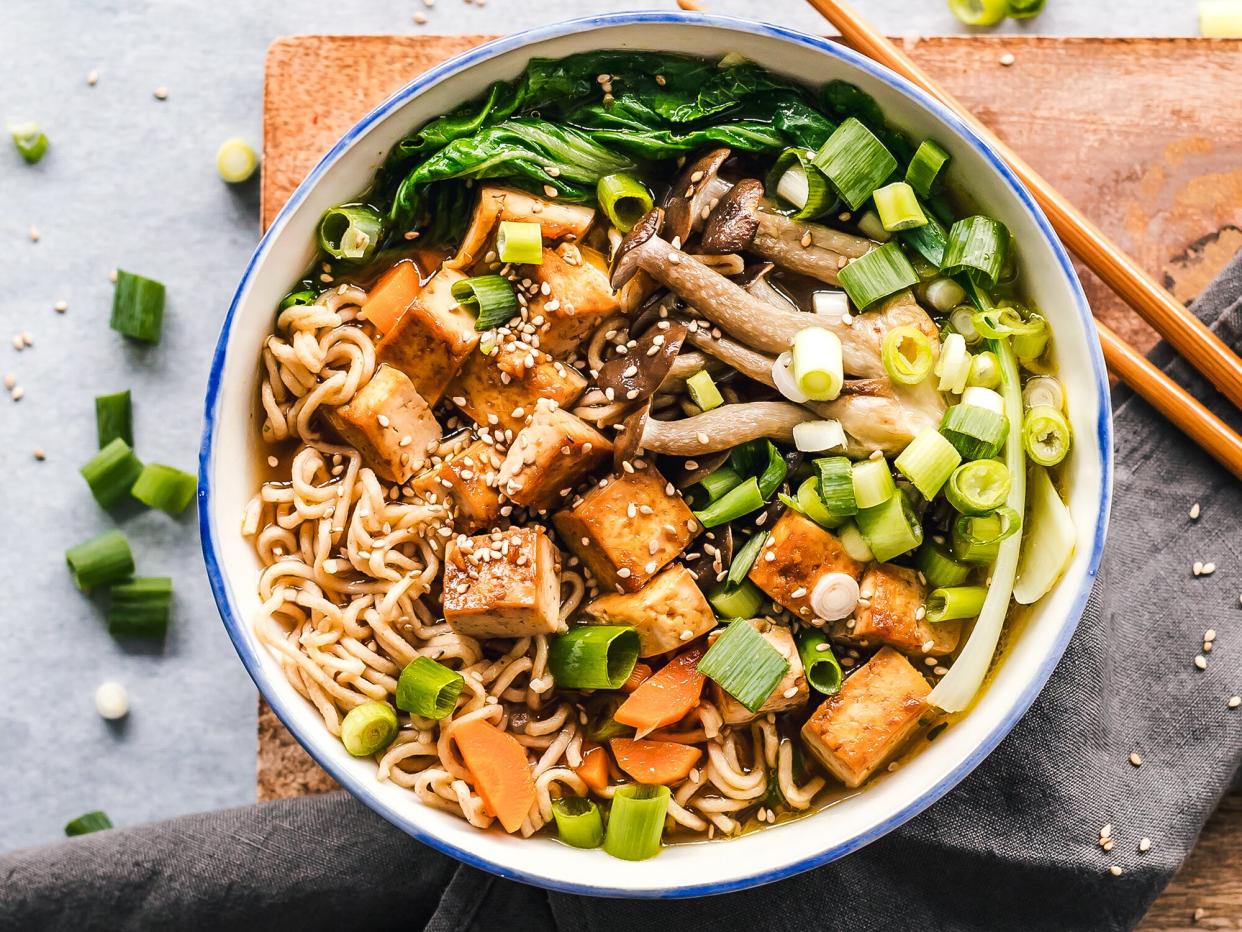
pixel 654 455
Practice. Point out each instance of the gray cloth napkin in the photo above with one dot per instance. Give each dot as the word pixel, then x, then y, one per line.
pixel 1015 846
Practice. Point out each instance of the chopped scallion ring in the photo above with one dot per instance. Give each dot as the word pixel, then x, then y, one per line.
pixel 1027 9
pixel 797 181
pixel 898 207
pixel 100 561
pixel 962 320
pixel 720 481
pixel 112 472
pixel 977 433
pixel 236 160
pixel 907 355
pixel 870 226
pixel 428 689
pixel 137 307
pixel 593 656
pixel 928 461
pixel 891 528
pixel 953 366
pixel 981 397
pixel 944 294
pixel 369 728
pixel 977 246
pixel 954 603
pixel 832 304
pixel 823 672
pixel 96 821
pixel 923 173
pixel 812 505
pixel 984 371
pixel 114 418
pixel 1046 435
pixel 743 664
pixel 979 487
pixel 873 483
pixel 836 487
pixel 636 822
pixel 624 199
pixel 928 240
pixel 938 566
pixel 165 488
pixel 977 538
pixel 979 12
pixel 351 232
pixel 817 363
pixel 855 161
pixel 742 601
pixel 835 596
pixel 519 242
pixel 882 272
pixel 853 542
pixel 1043 390
pixel 703 391
pixel 744 559
pixel 140 607
pixel 782 377
pixel 819 436
pixel 30 141
pixel 742 499
pixel 578 821
pixel 489 297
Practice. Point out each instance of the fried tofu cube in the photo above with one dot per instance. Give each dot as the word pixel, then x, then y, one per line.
pixel 802 552
pixel 626 529
pixel 790 693
pixel 579 296
pixel 432 339
pixel 550 456
pixel 862 726
pixel 469 481
pixel 891 611
pixel 501 390
pixel 390 424
pixel 667 612
pixel 503 585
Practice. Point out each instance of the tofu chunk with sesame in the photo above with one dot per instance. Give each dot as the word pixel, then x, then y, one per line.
pixel 503 585
pixel 890 611
pixel 468 481
pixel 556 220
pixel 628 528
pixel 802 552
pixel 578 297
pixel 501 390
pixel 432 339
pixel 868 721
pixel 390 424
pixel 551 455
pixel 790 693
pixel 667 612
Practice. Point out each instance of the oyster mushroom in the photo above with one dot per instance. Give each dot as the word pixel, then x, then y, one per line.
pixel 643 369
pixel 756 282
pixel 733 224
pixel 691 197
pixel 710 432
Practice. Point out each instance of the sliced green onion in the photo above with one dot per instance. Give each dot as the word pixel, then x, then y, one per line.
pixel 979 397
pixel 624 199
pixel 978 488
pixel 760 458
pixel 876 275
pixel 744 559
pixel 114 418
pixel 519 242
pixel 870 226
pixel 137 307
pixel 300 298
pixel 979 12
pixel 812 505
pixel 962 320
pixel 976 539
pixel 943 294
pixel 855 162
pixel 1030 340
pixel 744 664
pixel 31 142
pixel 854 543
pixel 797 181
pixel 817 363
pixel 1043 390
pixel 836 486
pixel 100 561
pixel 489 297
pixel 821 668
pixel 907 355
pixel 96 821
pixel 1025 9
pixel 369 728
pixel 898 207
pixel 742 499
pixel 928 461
pixel 938 566
pixel 819 436
pixel 953 366
pixel 236 160
pixel 1046 435
pixel 578 821
pixel 428 689
pixel 593 656
pixel 1048 543
pixel 165 487
pixel 952 604
pixel 743 601
pixel 111 472
pixel 703 391
pixel 984 370
pixel 891 528
pixel 923 172
pixel 139 608
pixel 977 433
pixel 720 481
pixel 978 247
pixel 929 240
pixel 636 821
pixel 351 233
pixel 873 483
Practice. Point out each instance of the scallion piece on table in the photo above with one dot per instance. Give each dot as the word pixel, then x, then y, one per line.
pixel 907 355
pixel 369 728
pixel 351 232
pixel 812 505
pixel 953 366
pixel 873 483
pixel 891 528
pixel 741 601
pixel 984 370
pixel 428 689
pixel 1046 435
pixel 1048 543
pixel 977 538
pixel 1026 9
pixel 96 821
pixel 978 247
pixel 744 559
pixel 874 276
pixel 624 199
pixel 578 821
pixel 519 242
pixel 137 307
pixel 100 561
pixel 114 418
pixel 954 603
pixel 898 207
pixel 112 472
pixel 140 607
pixel 593 656
pixel 742 499
pixel 823 671
pixel 929 240
pixel 489 297
pixel 30 141
pixel 836 486
pixel 703 391
pixel 938 566
pixel 165 487
pixel 923 172
pixel 855 161
pixel 801 185
pixel 979 12
pixel 928 461
pixel 720 481
pixel 236 160
pixel 744 664
pixel 978 488
pixel 636 821
pixel 817 363
pixel 978 433
pixel 854 543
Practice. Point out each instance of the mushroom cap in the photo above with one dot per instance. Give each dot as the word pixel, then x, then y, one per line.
pixel 732 225
pixel 681 206
pixel 703 567
pixel 625 262
pixel 629 441
pixel 638 374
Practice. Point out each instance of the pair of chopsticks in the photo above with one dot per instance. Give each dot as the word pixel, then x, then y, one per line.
pixel 1185 332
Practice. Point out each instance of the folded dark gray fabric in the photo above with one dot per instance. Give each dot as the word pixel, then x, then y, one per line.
pixel 1015 846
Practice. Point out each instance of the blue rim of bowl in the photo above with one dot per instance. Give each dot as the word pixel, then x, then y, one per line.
pixel 464 61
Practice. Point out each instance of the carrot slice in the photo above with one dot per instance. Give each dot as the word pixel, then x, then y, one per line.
pixel 639 675
pixel 500 770
pixel 594 769
pixel 391 296
pixel 666 696
pixel 654 761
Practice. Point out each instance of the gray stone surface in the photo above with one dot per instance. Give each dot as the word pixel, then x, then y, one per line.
pixel 129 181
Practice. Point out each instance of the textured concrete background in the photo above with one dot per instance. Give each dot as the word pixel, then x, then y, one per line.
pixel 129 181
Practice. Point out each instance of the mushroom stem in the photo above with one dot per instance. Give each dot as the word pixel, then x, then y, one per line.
pixel 780 239
pixel 723 428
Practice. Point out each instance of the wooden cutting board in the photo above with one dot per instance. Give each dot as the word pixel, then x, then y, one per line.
pixel 1142 134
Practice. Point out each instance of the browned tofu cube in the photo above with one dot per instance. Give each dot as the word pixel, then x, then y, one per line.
pixel 667 612
pixel 626 530
pixel 551 455
pixel 790 693
pixel 390 424
pixel 802 553
pixel 556 219
pixel 890 611
pixel 579 297
pixel 469 481
pixel 873 715
pixel 501 390
pixel 503 585
pixel 432 338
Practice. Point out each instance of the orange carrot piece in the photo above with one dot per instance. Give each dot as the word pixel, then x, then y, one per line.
pixel 391 296
pixel 666 697
pixel 639 675
pixel 500 770
pixel 593 770
pixel 655 761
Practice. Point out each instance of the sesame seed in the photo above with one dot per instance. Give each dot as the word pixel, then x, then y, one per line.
pixel 1135 759
pixel 383 420
pixel 1116 870
pixel 1198 914
pixel 790 692
pixel 9 381
pixel 1197 568
pixel 18 393
pixel 1194 512
pixel 549 190
pixel 1144 845
pixel 1007 59
pixel 798 593
pixel 1106 831
pixel 1234 702
pixel 60 307
pixel 686 635
pixel 822 646
pixel 769 557
pixel 1201 662
pixel 39 454
pixel 420 17
pixel 33 233
pixel 273 462
pixel 703 438
pixel 806 239
pixel 161 93
pixel 92 77
pixel 920 613
pixel 624 572
pixel 1208 568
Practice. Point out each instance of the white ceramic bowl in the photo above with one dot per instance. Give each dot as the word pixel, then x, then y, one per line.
pixel 228 477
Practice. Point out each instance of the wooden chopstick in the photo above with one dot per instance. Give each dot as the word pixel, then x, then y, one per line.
pixel 1185 332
